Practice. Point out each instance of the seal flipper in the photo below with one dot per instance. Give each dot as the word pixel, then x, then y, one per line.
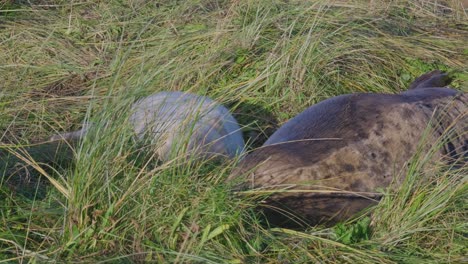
pixel 435 78
pixel 75 135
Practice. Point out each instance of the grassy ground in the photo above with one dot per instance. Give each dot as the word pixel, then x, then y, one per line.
pixel 65 61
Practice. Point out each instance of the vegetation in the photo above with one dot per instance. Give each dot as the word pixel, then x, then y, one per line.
pixel 62 62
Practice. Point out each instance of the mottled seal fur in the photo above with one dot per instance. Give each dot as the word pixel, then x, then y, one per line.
pixel 174 121
pixel 328 163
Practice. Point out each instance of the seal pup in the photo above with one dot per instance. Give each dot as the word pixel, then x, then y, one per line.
pixel 328 163
pixel 177 121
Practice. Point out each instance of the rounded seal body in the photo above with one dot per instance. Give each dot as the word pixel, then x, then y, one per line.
pixel 330 161
pixel 175 121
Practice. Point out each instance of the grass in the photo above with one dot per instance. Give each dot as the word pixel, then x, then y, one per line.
pixel 64 62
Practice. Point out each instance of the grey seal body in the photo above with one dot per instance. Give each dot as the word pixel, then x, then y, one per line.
pixel 177 121
pixel 174 119
pixel 328 163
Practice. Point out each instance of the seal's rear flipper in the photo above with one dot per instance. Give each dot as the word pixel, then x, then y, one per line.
pixel 71 136
pixel 435 78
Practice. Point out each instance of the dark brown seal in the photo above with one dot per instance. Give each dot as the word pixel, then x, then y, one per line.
pixel 328 163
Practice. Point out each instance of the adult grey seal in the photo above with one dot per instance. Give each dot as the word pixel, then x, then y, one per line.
pixel 328 163
pixel 177 121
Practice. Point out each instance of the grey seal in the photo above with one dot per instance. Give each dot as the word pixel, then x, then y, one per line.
pixel 328 163
pixel 177 121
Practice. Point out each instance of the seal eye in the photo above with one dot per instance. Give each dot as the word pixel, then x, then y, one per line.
pixel 373 155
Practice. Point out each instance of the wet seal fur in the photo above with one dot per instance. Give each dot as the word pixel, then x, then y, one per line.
pixel 175 121
pixel 327 163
